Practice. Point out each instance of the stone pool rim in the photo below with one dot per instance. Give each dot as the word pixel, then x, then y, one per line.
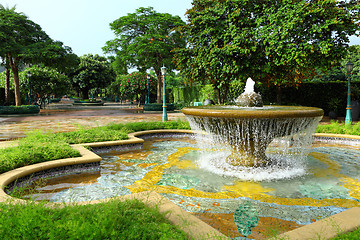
pixel 345 221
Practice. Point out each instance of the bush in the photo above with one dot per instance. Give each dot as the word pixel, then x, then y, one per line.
pixel 338 128
pixel 158 107
pixel 36 147
pixel 24 109
pixel 312 94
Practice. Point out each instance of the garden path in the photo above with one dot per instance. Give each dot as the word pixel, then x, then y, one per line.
pixel 62 118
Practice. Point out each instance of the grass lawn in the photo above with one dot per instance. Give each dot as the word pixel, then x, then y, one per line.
pixel 130 219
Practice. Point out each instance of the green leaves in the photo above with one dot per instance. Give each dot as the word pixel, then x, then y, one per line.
pixel 145 39
pixel 276 42
pixel 94 71
pixel 43 81
pixel 24 42
pixel 134 85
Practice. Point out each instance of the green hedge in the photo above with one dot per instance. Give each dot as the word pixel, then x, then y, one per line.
pixel 158 107
pixel 330 96
pixel 24 109
pixel 186 94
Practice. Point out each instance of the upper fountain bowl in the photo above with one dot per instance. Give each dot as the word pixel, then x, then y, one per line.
pixel 254 112
pixel 249 130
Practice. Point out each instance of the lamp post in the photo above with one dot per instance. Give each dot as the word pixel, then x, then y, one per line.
pixel 349 68
pixel 148 88
pixel 29 75
pixel 164 117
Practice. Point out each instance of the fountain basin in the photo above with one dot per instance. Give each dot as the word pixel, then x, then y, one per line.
pixel 249 130
pixel 301 201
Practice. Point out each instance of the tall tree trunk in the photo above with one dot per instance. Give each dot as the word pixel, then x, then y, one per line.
pixel 7 85
pixel 218 93
pixel 85 93
pixel 224 97
pixel 14 67
pixel 159 84
pixel 278 95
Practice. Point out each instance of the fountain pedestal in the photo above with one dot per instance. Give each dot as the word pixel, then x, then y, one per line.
pixel 248 131
pixel 251 154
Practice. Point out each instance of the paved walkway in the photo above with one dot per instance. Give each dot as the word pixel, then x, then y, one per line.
pixel 64 117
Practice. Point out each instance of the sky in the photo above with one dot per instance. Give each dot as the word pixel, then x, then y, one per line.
pixel 83 25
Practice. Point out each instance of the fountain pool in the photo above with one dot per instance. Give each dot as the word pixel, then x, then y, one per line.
pixel 328 185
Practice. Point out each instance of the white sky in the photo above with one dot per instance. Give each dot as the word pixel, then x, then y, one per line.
pixel 83 25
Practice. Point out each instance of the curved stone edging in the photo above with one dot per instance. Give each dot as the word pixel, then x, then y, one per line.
pixel 326 228
pixel 6 178
pixel 338 136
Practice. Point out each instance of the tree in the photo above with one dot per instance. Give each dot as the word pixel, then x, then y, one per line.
pixel 338 73
pixel 42 82
pixel 145 39
pixel 7 80
pixel 24 42
pixel 94 71
pixel 273 41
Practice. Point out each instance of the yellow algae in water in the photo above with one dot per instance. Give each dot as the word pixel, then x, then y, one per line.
pixel 353 185
pixel 333 166
pixel 186 164
pixel 155 174
pixel 334 169
pixel 247 189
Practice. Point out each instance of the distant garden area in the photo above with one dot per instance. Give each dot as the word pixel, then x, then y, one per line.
pixel 293 62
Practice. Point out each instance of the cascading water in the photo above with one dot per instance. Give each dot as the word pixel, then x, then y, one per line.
pixel 283 157
pixel 254 143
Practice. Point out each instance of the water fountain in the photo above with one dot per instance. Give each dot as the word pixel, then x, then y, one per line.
pixel 249 127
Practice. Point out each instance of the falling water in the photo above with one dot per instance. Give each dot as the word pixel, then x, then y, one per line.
pixel 285 155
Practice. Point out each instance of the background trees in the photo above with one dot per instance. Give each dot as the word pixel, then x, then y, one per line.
pixel 134 86
pixel 42 82
pixel 24 42
pixel 93 71
pixel 276 42
pixel 144 40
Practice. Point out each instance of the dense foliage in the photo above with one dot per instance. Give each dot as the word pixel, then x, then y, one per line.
pixel 42 82
pixel 328 95
pixel 93 71
pixel 276 42
pixel 339 72
pixel 144 40
pixel 24 42
pixel 134 86
pixel 114 219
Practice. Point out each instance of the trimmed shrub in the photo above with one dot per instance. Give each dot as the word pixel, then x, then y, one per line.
pixel 24 109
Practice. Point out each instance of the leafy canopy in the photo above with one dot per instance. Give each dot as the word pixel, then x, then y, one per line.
pixel 273 41
pixel 144 40
pixel 93 71
pixel 24 42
